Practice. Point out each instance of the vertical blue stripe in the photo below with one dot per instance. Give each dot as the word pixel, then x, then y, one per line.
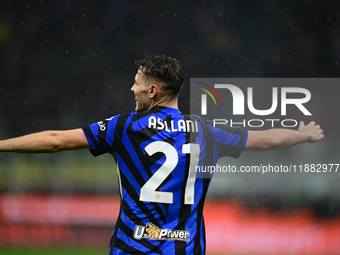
pixel 202 234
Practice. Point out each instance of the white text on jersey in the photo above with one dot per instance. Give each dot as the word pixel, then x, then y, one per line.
pixel 181 126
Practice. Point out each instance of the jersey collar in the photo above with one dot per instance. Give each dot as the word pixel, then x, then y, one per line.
pixel 158 108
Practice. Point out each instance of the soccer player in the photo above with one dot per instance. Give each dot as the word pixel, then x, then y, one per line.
pixel 157 148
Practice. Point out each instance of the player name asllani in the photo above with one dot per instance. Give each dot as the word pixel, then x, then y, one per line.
pixel 173 126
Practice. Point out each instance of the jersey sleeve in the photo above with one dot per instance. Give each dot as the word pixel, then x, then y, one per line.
pixel 101 136
pixel 229 141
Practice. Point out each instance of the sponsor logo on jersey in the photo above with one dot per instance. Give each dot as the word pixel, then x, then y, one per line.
pixel 153 232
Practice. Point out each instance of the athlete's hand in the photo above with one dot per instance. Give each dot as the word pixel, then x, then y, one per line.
pixel 314 132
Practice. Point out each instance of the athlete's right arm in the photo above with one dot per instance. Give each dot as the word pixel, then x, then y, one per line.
pixel 46 141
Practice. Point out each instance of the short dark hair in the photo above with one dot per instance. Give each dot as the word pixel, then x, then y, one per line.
pixel 163 69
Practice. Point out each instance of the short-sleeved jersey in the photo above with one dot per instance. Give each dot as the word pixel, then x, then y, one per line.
pixel 162 193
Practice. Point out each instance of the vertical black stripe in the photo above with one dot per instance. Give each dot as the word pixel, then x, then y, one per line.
pixel 208 161
pixel 185 210
pixel 197 240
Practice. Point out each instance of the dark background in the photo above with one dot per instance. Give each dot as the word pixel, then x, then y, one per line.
pixel 69 63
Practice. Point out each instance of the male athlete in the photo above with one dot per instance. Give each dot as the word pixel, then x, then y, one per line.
pixel 156 149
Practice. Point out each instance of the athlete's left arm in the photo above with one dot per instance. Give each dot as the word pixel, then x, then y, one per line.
pixel 280 138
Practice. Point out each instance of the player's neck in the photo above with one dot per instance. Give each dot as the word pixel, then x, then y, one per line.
pixel 165 103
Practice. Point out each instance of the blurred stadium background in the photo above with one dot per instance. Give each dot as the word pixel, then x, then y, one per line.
pixel 65 64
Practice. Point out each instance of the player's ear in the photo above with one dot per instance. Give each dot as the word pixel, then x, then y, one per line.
pixel 153 90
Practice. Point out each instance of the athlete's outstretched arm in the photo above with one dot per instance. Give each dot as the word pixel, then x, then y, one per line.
pixel 280 138
pixel 47 141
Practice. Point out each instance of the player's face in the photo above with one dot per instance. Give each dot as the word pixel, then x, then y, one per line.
pixel 141 90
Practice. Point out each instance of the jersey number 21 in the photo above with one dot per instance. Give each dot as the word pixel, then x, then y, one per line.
pixel 148 191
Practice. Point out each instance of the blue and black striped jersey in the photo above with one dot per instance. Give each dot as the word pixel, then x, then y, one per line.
pixel 162 193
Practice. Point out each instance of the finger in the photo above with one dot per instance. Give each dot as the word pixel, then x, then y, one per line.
pixel 312 123
pixel 302 124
